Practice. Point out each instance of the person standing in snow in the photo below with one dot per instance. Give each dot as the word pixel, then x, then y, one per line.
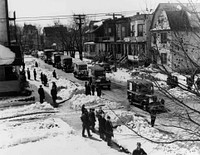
pixel 36 64
pixel 89 88
pixel 153 111
pixel 98 89
pixel 109 131
pixel 54 95
pixel 93 88
pixel 139 150
pixel 85 123
pixel 83 108
pixel 35 74
pixel 92 119
pixel 41 94
pixel 54 74
pixel 45 79
pixel 102 126
pixel 42 77
pixel 28 74
pixel 86 88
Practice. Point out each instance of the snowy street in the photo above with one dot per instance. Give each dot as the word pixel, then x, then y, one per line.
pixel 58 130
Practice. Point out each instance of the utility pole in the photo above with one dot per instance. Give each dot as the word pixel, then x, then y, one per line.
pixel 80 21
pixel 115 39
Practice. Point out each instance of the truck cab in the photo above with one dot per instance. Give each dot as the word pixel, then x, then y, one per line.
pixel 67 63
pixel 98 76
pixel 139 90
pixel 80 70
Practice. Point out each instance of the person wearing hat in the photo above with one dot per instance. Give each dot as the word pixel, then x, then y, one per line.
pixel 139 150
pixel 109 131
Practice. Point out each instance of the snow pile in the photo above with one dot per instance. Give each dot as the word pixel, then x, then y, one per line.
pixel 127 135
pixel 91 101
pixel 24 110
pixel 122 75
pixel 181 94
pixel 6 55
pixel 66 88
pixel 25 132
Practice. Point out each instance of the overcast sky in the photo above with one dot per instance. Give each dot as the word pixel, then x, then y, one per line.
pixel 38 8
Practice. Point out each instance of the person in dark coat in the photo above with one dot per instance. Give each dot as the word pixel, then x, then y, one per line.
pixel 98 89
pixel 83 108
pixel 153 112
pixel 92 119
pixel 42 77
pixel 35 74
pixel 139 150
pixel 102 126
pixel 85 123
pixel 54 95
pixel 45 79
pixel 41 94
pixel 93 88
pixel 28 74
pixel 109 131
pixel 86 88
pixel 54 74
pixel 89 88
pixel 36 64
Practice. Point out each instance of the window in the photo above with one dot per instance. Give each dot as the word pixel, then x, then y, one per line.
pixel 133 30
pixel 163 58
pixel 154 37
pixel 123 32
pixel 163 37
pixel 140 29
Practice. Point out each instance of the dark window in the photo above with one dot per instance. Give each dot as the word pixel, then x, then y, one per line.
pixel 140 29
pixel 163 58
pixel 154 37
pixel 133 30
pixel 163 37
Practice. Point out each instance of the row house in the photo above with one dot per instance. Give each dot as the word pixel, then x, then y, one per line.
pixel 126 38
pixel 175 35
pixel 93 36
pixel 139 40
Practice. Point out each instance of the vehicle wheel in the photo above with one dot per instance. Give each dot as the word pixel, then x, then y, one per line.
pixel 109 88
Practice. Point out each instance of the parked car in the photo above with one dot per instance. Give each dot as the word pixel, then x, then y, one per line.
pixel 98 76
pixel 106 66
pixel 66 63
pixel 80 70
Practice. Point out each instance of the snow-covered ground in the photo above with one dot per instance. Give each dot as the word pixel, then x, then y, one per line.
pixel 30 127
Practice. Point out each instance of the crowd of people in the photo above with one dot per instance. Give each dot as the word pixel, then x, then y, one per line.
pixel 88 119
pixel 90 88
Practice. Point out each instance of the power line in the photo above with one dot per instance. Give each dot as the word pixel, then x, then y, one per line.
pixel 40 18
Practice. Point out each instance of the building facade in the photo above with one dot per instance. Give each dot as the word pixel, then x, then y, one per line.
pixel 175 42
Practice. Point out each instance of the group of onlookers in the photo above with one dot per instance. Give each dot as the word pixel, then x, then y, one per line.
pixel 90 88
pixel 88 123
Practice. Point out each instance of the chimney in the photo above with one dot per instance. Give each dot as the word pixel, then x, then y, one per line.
pixel 137 13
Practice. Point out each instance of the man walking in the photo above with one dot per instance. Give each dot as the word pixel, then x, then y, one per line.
pixel 41 94
pixel 92 88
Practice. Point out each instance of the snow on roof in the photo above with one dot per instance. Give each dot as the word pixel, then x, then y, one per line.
pixel 6 55
pixel 98 23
